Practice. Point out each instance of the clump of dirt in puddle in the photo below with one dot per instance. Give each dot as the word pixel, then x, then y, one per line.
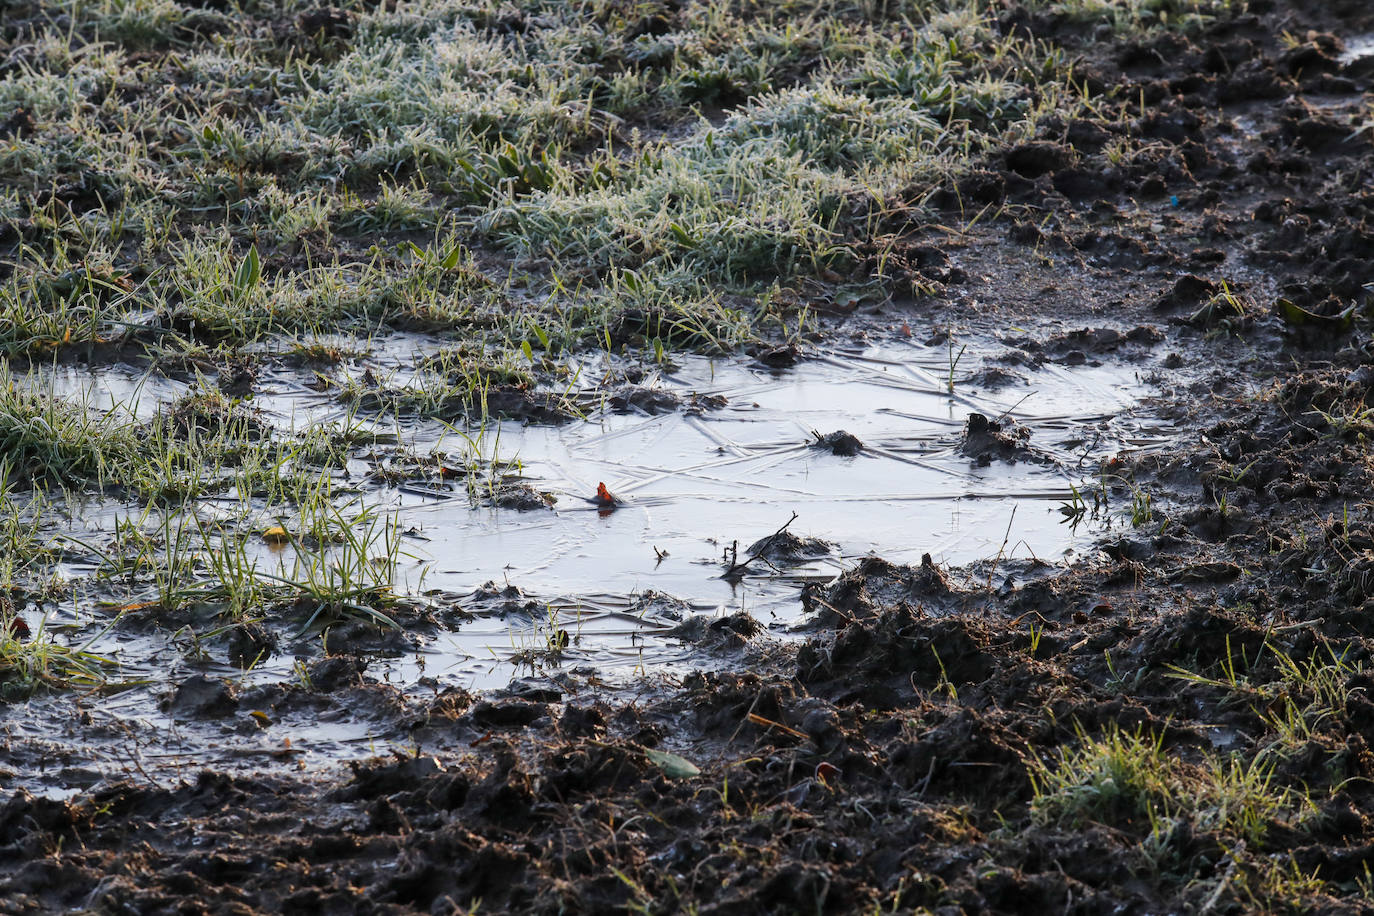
pixel 521 496
pixel 785 548
pixel 732 631
pixel 201 696
pixel 202 413
pixel 874 583
pixel 782 357
pixel 656 605
pixel 840 442
pixel 648 400
pixel 1002 439
pixel 995 378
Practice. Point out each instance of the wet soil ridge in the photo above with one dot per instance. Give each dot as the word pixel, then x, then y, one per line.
pixel 1175 721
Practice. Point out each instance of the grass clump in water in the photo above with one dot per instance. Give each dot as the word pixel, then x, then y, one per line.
pixel 48 437
pixel 29 663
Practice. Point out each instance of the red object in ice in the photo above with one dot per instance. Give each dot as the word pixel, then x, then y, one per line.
pixel 605 498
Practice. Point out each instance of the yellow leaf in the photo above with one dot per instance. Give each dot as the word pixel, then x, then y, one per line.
pixel 276 535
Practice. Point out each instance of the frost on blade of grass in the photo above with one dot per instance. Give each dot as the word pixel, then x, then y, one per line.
pixel 340 561
pixel 24 550
pixel 764 193
pixel 39 661
pixel 205 444
pixel 25 666
pixel 1237 804
pixel 1297 699
pixel 68 301
pixel 568 133
pixel 1127 16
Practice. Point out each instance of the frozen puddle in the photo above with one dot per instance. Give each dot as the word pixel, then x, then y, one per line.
pixel 1357 47
pixel 693 484
pixel 696 485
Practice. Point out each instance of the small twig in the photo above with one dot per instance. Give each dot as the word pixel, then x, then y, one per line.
pixel 1001 416
pixel 925 783
pixel 770 723
pixel 736 570
pixel 844 615
pixel 747 713
pixel 1001 550
pixel 1025 615
pixel 1225 880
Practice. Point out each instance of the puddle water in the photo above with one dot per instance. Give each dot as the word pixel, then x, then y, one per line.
pixel 692 485
pixel 1357 47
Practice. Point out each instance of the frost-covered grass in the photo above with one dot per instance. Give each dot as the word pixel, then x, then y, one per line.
pixel 714 150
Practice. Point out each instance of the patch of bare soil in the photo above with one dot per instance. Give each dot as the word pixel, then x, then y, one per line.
pixel 1010 737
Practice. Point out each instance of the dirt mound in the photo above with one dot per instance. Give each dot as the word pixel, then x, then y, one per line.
pixel 1002 439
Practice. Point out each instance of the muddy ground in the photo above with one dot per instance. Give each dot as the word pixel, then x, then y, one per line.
pixel 1178 722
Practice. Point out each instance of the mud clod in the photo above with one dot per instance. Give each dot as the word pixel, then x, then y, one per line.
pixel 1188 292
pixel 840 442
pixel 988 440
pixel 522 497
pixel 784 357
pixel 1031 160
pixel 510 713
pixel 786 548
pixel 875 583
pixel 729 632
pixel 19 124
pixel 249 644
pixel 648 400
pixel 325 22
pixel 337 672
